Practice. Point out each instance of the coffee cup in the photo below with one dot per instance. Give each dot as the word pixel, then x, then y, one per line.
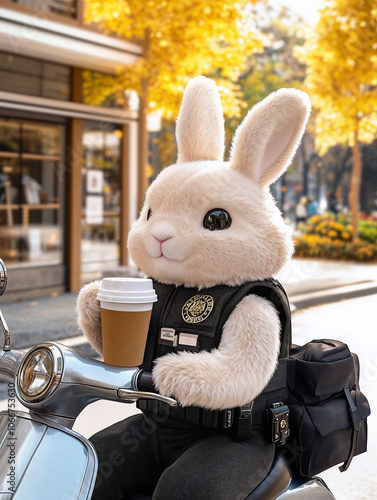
pixel 126 307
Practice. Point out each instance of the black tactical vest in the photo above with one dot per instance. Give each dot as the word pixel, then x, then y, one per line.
pixel 192 319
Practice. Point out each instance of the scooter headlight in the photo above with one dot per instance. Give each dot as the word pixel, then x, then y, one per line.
pixel 40 373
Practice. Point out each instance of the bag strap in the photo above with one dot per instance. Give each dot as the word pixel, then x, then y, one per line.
pixel 356 428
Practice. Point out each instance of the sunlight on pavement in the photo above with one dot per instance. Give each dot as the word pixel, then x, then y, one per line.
pixel 353 322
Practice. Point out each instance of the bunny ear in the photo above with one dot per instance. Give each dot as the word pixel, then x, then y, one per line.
pixel 267 139
pixel 200 125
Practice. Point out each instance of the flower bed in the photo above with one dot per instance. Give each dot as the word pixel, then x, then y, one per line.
pixel 329 236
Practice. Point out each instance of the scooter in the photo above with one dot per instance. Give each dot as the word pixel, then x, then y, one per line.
pixel 42 458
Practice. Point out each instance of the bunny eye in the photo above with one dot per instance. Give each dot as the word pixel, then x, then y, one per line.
pixel 149 214
pixel 217 219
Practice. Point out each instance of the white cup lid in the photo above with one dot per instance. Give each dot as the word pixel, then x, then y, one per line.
pixel 127 290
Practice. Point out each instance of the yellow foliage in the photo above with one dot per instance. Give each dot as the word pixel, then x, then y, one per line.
pixel 341 56
pixel 345 235
pixel 100 89
pixel 181 39
pixel 328 248
pixel 324 236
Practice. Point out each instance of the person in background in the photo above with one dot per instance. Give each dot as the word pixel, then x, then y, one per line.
pixel 301 210
pixel 312 207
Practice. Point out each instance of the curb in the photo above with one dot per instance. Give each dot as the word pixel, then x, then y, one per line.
pixel 329 296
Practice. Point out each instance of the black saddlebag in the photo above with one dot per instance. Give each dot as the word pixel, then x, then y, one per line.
pixel 328 412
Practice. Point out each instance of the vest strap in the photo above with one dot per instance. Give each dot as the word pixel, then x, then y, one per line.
pixel 221 419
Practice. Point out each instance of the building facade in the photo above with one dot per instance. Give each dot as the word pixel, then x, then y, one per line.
pixel 69 148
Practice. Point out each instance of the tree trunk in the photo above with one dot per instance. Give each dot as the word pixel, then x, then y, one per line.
pixel 283 192
pixel 143 152
pixel 339 173
pixel 142 132
pixel 354 195
pixel 305 171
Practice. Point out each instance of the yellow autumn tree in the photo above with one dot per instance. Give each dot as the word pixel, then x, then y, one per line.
pixel 180 39
pixel 341 58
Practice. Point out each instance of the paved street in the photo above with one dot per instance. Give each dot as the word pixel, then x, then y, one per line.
pixel 354 322
pixel 342 314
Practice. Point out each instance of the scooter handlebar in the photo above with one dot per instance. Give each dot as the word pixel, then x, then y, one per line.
pixel 144 381
pixel 9 363
pixel 144 389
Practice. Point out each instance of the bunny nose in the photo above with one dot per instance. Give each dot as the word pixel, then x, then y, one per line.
pixel 162 240
pixel 162 232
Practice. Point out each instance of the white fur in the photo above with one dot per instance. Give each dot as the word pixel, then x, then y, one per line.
pixel 233 374
pixel 267 139
pixel 89 314
pixel 173 247
pixel 200 128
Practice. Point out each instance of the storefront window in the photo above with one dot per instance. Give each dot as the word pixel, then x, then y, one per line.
pixel 101 199
pixel 29 76
pixel 31 192
pixel 62 7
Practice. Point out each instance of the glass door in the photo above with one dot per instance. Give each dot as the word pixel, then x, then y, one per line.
pixel 31 192
pixel 101 199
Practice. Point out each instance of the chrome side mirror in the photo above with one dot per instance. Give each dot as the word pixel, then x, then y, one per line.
pixel 3 277
pixel 3 323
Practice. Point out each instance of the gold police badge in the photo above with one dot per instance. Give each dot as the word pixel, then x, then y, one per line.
pixel 197 309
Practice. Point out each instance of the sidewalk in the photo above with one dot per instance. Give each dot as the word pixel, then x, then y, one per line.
pixel 301 276
pixel 315 282
pixel 39 320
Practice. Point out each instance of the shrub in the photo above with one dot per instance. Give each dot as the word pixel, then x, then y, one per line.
pixel 330 236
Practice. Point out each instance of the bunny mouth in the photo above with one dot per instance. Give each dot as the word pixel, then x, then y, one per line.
pixel 171 258
pixel 165 252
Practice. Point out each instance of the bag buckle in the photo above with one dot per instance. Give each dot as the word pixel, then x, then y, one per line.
pixel 352 409
pixel 278 415
pixel 243 422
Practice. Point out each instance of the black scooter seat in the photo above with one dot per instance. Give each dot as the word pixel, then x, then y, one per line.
pixel 273 485
pixel 277 480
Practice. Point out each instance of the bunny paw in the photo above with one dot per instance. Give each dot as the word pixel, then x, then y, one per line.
pixel 89 314
pixel 194 379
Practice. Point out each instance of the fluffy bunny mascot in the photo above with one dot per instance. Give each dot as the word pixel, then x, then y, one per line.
pixel 207 228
